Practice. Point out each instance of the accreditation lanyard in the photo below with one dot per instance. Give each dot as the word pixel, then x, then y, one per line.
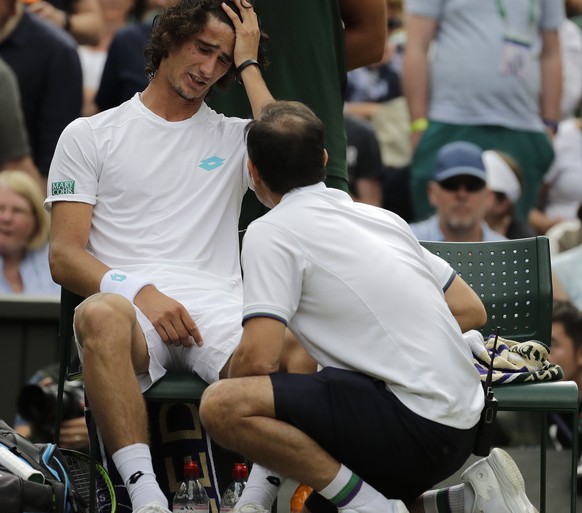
pixel 516 46
pixel 501 9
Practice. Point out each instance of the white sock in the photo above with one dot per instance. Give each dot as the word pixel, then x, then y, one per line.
pixel 455 499
pixel 350 494
pixel 262 487
pixel 134 464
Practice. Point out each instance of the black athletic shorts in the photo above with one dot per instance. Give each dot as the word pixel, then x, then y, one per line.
pixel 364 426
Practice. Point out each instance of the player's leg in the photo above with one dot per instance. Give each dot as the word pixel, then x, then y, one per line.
pixel 114 350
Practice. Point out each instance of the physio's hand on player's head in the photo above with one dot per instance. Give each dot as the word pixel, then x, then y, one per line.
pixel 169 317
pixel 248 33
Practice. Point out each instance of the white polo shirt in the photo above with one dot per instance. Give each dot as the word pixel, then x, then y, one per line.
pixel 166 195
pixel 360 293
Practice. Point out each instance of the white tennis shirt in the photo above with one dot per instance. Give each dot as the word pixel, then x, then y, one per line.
pixel 360 293
pixel 166 196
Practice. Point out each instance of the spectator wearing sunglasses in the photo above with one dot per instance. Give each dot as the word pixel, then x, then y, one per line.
pixel 459 194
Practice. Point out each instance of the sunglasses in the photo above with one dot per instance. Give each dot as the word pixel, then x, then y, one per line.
pixel 469 183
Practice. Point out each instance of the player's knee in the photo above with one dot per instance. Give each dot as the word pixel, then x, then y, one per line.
pixel 98 316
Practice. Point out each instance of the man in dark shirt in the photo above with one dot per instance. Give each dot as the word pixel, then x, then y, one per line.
pixel 46 64
pixel 124 70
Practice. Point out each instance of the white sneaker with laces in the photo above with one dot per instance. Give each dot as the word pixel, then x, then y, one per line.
pixel 154 507
pixel 498 485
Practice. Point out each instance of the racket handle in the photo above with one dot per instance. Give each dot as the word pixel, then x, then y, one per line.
pixel 18 467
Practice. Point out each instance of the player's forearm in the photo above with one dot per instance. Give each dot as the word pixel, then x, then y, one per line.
pixel 75 269
pixel 256 88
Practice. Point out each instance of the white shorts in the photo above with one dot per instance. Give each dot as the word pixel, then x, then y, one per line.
pixel 219 319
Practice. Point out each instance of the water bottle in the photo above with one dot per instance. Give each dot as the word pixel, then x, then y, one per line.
pixel 191 495
pixel 232 494
pixel 299 497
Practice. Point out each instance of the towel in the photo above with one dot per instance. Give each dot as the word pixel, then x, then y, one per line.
pixel 514 362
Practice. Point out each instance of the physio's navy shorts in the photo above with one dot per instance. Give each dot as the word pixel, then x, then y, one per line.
pixel 364 426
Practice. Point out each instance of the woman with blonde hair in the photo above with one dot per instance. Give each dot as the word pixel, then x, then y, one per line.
pixel 24 228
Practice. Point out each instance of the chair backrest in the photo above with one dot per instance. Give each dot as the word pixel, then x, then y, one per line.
pixel 513 279
pixel 69 301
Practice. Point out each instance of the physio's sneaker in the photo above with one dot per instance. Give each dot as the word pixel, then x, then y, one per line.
pixel 154 507
pixel 498 485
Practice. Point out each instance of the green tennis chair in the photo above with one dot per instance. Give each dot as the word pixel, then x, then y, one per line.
pixel 513 279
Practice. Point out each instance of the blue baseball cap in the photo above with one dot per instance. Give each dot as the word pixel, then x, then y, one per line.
pixel 459 158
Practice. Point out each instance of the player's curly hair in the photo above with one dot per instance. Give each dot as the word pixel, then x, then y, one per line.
pixel 179 23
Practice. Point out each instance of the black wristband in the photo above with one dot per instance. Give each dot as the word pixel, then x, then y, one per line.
pixel 245 64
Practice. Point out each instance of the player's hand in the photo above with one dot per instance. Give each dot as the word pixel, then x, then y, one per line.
pixel 170 319
pixel 248 33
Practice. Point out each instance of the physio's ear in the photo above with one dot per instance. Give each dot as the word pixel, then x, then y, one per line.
pixel 325 157
pixel 254 172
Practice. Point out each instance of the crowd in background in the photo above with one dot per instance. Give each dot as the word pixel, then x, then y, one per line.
pixel 427 93
pixel 459 157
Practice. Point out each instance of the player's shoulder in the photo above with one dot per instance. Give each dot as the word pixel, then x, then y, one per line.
pixel 222 121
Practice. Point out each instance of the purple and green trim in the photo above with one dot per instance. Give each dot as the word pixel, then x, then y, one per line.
pixel 348 492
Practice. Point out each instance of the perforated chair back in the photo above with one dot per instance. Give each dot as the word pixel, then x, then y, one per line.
pixel 512 278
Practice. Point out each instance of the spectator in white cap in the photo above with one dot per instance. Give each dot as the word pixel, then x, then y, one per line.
pixel 504 179
pixel 459 194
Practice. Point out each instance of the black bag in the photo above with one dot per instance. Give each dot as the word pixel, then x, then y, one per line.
pixel 56 495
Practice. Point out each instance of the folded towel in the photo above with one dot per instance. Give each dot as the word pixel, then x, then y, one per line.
pixel 514 362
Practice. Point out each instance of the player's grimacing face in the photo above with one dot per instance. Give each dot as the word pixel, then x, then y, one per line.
pixel 198 64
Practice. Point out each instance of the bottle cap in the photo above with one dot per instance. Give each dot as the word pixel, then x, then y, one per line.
pixel 240 471
pixel 191 469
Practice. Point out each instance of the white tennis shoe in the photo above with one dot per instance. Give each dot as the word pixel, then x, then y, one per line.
pixel 498 485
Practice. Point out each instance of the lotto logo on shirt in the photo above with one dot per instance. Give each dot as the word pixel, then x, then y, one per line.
pixel 66 187
pixel 211 163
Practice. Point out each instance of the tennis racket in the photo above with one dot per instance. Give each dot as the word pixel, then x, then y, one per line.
pixel 79 467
